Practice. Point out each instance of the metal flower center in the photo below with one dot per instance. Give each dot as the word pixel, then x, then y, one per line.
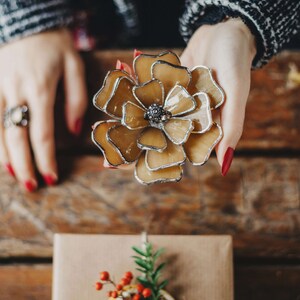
pixel 155 114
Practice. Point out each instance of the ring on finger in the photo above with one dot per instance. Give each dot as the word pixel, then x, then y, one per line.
pixel 16 116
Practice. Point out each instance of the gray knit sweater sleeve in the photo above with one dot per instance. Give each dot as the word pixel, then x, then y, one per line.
pixel 273 22
pixel 20 18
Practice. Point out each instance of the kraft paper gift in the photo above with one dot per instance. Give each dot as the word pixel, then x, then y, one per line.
pixel 199 267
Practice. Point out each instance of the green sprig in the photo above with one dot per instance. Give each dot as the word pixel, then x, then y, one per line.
pixel 146 264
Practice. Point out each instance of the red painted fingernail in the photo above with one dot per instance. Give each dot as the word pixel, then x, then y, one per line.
pixel 228 157
pixel 29 186
pixel 113 168
pixel 10 169
pixel 50 179
pixel 78 127
pixel 136 53
pixel 119 65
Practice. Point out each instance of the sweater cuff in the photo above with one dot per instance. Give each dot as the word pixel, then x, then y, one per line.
pixel 21 18
pixel 262 22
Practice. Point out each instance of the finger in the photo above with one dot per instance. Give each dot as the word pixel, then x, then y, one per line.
pixel 232 121
pixel 16 140
pixel 76 94
pixel 41 108
pixel 4 158
pixel 187 58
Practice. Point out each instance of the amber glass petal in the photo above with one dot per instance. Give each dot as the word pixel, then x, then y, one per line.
pixel 109 151
pixel 201 116
pixel 178 130
pixel 173 155
pixel 142 64
pixel 170 75
pixel 152 139
pixel 122 94
pixel 125 141
pixel 199 146
pixel 145 176
pixel 203 81
pixel 107 90
pixel 149 93
pixel 133 116
pixel 179 101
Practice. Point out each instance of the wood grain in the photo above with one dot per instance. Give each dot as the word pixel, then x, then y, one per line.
pixel 258 203
pixel 272 116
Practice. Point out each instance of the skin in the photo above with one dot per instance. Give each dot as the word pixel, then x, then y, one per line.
pixel 228 48
pixel 39 62
pixel 29 74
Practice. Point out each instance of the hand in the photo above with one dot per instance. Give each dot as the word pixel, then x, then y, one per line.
pixel 228 48
pixel 29 74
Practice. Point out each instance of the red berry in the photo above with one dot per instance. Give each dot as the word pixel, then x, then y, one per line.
pixel 119 287
pixel 136 297
pixel 128 275
pixel 98 286
pixel 104 276
pixel 146 293
pixel 140 288
pixel 114 294
pixel 125 281
pixel 109 293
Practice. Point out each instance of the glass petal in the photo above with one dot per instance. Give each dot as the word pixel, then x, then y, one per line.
pixel 170 75
pixel 152 139
pixel 109 151
pixel 105 93
pixel 142 64
pixel 149 93
pixel 145 176
pixel 173 155
pixel 179 101
pixel 133 116
pixel 199 146
pixel 122 94
pixel 201 116
pixel 203 81
pixel 178 130
pixel 125 141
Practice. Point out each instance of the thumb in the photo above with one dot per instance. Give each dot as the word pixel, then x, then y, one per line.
pixel 76 92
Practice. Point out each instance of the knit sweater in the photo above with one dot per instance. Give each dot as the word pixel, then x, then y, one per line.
pixel 272 22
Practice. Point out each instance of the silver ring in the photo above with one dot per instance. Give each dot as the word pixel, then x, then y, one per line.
pixel 16 116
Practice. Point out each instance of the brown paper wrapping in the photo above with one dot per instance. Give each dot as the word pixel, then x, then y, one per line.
pixel 200 267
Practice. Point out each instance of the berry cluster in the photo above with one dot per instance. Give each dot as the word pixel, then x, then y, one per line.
pixel 123 290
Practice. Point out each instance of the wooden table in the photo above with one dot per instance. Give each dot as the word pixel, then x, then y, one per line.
pixel 257 203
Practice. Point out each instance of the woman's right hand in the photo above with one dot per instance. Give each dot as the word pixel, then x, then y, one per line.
pixel 29 74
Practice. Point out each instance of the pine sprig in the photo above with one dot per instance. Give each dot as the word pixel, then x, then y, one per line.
pixel 147 265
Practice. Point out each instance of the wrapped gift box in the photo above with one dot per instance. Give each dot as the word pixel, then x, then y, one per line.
pixel 199 267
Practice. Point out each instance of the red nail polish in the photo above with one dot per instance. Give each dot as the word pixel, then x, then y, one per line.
pixel 228 157
pixel 49 179
pixel 78 127
pixel 113 168
pixel 119 65
pixel 136 53
pixel 10 169
pixel 29 186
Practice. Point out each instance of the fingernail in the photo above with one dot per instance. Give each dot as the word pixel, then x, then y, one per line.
pixel 113 168
pixel 119 65
pixel 228 157
pixel 10 169
pixel 78 127
pixel 136 53
pixel 30 186
pixel 50 179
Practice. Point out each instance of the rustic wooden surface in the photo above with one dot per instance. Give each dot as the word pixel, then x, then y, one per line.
pixel 258 202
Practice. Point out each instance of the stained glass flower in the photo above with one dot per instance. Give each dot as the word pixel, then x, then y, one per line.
pixel 161 116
